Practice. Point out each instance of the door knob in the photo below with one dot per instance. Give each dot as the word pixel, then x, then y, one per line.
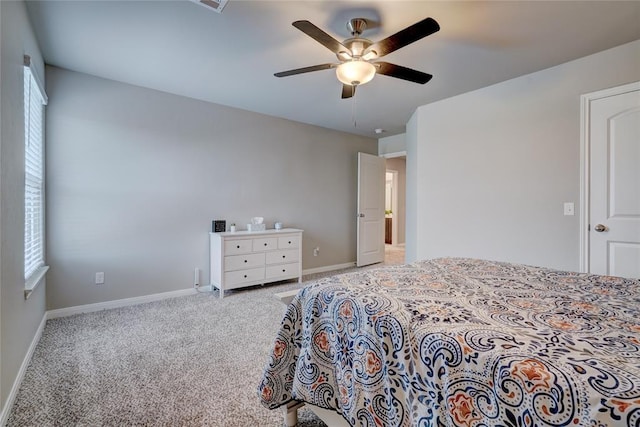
pixel 361 215
pixel 600 228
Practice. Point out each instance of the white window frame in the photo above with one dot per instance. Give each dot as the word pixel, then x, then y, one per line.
pixel 35 100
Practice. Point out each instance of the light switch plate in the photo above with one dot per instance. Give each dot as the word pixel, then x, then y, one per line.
pixel 569 209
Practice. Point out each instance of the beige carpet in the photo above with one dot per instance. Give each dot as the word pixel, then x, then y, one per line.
pixel 189 361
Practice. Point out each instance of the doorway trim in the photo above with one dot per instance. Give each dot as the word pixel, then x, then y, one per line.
pixel 395 154
pixel 585 170
pixel 394 205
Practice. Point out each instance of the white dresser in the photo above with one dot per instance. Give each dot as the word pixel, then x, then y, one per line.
pixel 246 258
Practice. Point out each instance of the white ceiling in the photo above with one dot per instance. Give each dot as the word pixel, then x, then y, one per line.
pixel 183 48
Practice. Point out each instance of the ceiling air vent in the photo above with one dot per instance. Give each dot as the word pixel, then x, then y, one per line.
pixel 215 5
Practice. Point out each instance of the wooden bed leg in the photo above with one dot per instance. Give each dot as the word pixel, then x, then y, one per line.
pixel 291 413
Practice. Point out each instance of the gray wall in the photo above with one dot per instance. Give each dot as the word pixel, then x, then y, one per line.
pixel 399 164
pixel 19 318
pixel 493 167
pixel 413 228
pixel 135 177
pixel 392 144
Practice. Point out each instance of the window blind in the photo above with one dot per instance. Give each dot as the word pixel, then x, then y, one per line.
pixel 34 101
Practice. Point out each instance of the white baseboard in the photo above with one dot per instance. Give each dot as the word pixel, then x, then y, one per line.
pixel 88 308
pixel 328 268
pixel 6 409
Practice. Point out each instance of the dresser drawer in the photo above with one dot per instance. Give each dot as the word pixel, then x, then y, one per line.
pixel 240 262
pixel 283 270
pixel 288 242
pixel 234 278
pixel 265 244
pixel 232 247
pixel 280 257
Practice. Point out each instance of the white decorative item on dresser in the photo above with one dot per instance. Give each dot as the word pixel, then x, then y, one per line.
pixel 247 258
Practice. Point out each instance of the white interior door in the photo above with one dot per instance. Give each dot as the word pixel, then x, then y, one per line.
pixel 614 212
pixel 371 185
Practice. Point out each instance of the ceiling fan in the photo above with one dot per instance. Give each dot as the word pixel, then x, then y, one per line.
pixel 358 56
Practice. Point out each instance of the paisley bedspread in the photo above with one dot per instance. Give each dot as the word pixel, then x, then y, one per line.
pixel 462 342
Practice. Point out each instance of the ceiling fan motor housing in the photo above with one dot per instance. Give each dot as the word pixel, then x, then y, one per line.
pixel 356 46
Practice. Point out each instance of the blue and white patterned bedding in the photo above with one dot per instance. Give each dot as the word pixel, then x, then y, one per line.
pixel 462 342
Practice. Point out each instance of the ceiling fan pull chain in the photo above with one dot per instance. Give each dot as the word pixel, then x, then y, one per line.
pixel 353 112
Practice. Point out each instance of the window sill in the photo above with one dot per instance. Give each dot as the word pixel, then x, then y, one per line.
pixel 34 281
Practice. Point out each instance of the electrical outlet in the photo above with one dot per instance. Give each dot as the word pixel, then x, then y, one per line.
pixel 316 251
pixel 100 278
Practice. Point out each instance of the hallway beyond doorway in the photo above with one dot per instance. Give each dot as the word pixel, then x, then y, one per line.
pixel 393 255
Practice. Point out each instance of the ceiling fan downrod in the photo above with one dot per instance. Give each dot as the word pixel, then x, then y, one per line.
pixel 356 26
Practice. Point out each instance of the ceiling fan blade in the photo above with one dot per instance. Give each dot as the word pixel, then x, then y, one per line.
pixel 348 91
pixel 304 70
pixel 400 72
pixel 404 37
pixel 321 37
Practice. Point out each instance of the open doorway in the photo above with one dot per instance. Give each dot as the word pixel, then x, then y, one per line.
pixel 390 206
pixel 395 190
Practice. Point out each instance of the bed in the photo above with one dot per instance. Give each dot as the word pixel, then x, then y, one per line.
pixel 461 342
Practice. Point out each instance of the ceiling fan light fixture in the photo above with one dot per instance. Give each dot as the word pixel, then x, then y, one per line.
pixel 355 72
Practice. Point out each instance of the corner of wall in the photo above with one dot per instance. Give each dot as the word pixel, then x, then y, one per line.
pixel 411 197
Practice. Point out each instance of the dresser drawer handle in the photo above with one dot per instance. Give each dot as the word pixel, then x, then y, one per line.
pixel 245 260
pixel 265 244
pixel 284 256
pixel 245 276
pixel 238 247
pixel 284 271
